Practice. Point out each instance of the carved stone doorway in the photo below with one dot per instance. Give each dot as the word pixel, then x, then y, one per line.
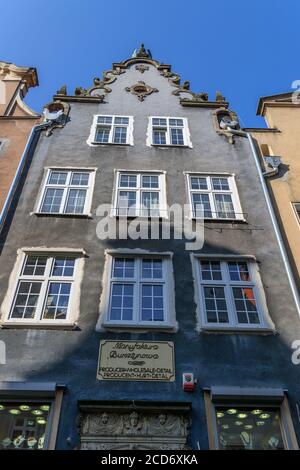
pixel 134 425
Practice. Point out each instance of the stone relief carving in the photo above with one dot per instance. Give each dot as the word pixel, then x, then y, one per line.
pixel 109 76
pixel 134 430
pixel 142 68
pixel 141 90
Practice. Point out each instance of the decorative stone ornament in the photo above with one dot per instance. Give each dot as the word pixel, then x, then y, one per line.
pixel 231 116
pixel 141 68
pixel 60 122
pixel 142 53
pixel 141 90
pixel 142 429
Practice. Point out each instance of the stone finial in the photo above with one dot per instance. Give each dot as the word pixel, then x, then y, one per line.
pixel 220 97
pixel 62 90
pixel 142 53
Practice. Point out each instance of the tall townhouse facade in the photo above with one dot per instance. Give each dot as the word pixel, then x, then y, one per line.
pixel 145 343
pixel 281 139
pixel 16 123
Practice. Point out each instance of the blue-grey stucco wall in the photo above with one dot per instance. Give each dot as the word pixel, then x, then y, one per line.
pixel 70 357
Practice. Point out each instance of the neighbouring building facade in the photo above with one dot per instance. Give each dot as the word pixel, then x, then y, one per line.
pixel 16 120
pixel 281 138
pixel 121 342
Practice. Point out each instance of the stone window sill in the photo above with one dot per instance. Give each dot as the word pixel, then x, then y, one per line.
pixel 237 331
pixel 167 328
pixel 38 326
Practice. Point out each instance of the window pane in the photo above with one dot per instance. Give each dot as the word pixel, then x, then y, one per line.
pixel 76 201
pixel 128 181
pixel 122 120
pixel 245 305
pixel 35 266
pixel 57 177
pixel 198 182
pixel 201 205
pixel 57 301
pixel 80 179
pixel 152 269
pixel 159 136
pixel 176 122
pixel 120 135
pixel 211 270
pixel 159 122
pixel 63 267
pixel 123 268
pixel 150 181
pixel 104 120
pixel 150 204
pixel 23 425
pixel 224 206
pixel 152 303
pixel 52 200
pixel 127 203
pixel 102 134
pixel 238 271
pixel 26 300
pixel 177 136
pixel 121 307
pixel 220 184
pixel 215 304
pixel 248 428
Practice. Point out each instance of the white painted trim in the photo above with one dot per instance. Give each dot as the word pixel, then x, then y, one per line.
pixel 16 277
pixel 161 190
pixel 255 283
pixel 185 128
pixel 66 188
pixel 233 192
pixel 129 138
pixel 105 323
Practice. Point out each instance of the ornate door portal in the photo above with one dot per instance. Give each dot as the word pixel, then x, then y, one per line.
pixel 134 427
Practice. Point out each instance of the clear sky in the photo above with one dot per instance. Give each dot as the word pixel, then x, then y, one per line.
pixel 244 48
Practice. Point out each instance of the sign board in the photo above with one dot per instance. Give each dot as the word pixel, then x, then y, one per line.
pixel 136 360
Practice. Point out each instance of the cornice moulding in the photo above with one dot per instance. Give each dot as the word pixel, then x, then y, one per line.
pixel 10 72
pixel 204 104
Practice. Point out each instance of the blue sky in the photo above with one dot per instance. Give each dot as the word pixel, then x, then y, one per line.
pixel 246 49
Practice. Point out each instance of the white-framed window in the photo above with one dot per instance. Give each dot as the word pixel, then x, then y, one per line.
pixel 296 207
pixel 214 197
pixel 138 291
pixel 112 130
pixel 67 191
pixel 230 294
pixel 47 289
pixel 140 194
pixel 166 131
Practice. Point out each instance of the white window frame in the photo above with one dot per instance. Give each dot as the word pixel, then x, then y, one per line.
pixel 92 137
pixel 66 188
pixel 168 291
pixel 239 215
pixel 255 283
pixel 185 132
pixel 137 212
pixel 17 277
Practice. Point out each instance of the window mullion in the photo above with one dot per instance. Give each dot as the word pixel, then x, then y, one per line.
pixel 168 136
pixel 137 315
pixel 63 204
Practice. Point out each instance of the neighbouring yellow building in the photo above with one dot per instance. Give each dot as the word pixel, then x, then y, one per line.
pixel 282 138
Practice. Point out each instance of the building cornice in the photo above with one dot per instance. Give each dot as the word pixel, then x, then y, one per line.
pixel 278 100
pixel 12 72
